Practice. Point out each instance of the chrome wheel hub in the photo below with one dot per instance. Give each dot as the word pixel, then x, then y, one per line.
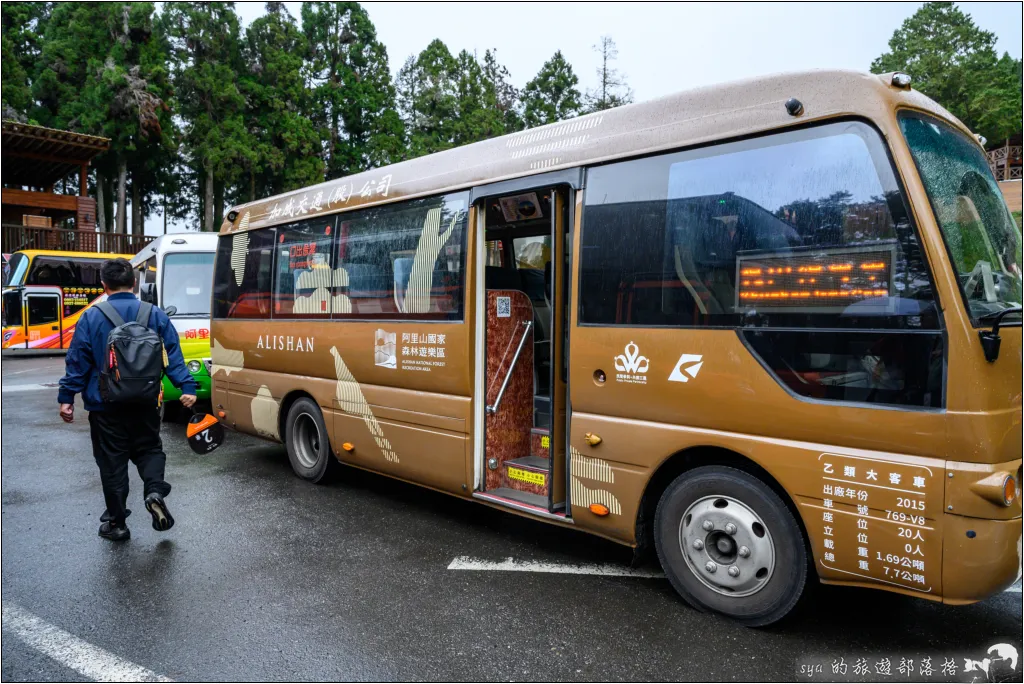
pixel 307 440
pixel 727 546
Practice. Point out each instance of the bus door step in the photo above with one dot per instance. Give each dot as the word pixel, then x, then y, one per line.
pixel 517 496
pixel 528 474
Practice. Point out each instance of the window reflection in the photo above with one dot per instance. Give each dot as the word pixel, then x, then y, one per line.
pixel 799 230
pixel 665 238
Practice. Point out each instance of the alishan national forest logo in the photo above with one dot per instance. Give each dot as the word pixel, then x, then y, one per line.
pixel 632 366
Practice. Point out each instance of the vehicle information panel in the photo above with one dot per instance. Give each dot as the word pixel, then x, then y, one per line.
pixel 876 521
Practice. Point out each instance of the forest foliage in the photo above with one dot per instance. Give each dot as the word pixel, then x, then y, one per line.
pixel 203 113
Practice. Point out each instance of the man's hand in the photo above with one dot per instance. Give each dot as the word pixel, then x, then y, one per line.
pixel 187 400
pixel 67 413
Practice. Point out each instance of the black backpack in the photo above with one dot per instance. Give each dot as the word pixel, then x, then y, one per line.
pixel 134 358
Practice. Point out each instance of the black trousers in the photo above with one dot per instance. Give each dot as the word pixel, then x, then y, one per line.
pixel 122 433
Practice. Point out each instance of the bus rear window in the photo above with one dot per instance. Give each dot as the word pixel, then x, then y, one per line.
pixel 245 263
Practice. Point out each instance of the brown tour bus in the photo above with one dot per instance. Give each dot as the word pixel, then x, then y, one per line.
pixel 771 329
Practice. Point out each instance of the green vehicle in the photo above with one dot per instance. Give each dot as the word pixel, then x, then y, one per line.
pixel 175 272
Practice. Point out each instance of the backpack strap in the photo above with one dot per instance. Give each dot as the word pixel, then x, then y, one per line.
pixel 142 318
pixel 110 312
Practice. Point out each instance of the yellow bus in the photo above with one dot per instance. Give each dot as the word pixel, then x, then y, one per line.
pixel 770 329
pixel 45 295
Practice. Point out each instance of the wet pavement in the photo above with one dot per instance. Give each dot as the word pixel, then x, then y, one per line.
pixel 267 577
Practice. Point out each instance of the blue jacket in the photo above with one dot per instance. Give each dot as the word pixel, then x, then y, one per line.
pixel 88 348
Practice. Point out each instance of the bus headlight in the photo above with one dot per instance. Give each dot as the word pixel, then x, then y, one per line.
pixel 194 366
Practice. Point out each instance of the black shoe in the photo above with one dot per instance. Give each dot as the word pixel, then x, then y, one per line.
pixel 162 519
pixel 109 530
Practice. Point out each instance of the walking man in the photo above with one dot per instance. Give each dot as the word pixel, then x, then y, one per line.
pixel 116 367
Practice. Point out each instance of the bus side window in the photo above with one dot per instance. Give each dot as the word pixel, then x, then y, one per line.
pixel 242 286
pixel 775 236
pixel 402 261
pixel 303 276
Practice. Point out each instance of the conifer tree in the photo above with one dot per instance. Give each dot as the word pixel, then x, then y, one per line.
pixel 206 63
pixel 552 95
pixel 501 93
pixel 353 102
pixel 611 90
pixel 23 26
pixel 954 62
pixel 429 97
pixel 285 152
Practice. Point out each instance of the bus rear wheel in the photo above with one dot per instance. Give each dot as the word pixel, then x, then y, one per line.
pixel 729 544
pixel 307 442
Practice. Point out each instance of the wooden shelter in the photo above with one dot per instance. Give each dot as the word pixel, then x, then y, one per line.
pixel 36 160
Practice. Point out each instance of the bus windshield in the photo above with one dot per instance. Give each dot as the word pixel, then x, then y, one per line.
pixel 18 268
pixel 187 278
pixel 984 242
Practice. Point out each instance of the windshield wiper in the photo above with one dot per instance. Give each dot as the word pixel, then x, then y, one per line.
pixel 997 315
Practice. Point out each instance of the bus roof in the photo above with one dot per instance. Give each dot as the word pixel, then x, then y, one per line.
pixel 177 242
pixel 32 253
pixel 675 121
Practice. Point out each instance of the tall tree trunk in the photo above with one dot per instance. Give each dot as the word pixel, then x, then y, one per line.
pixel 208 202
pixel 101 205
pixel 218 205
pixel 252 185
pixel 122 181
pixel 165 216
pixel 137 226
pixel 109 202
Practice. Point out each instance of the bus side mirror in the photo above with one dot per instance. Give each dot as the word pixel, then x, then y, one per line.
pixel 147 292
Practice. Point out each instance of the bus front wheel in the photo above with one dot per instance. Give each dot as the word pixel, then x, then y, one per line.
pixel 307 442
pixel 729 544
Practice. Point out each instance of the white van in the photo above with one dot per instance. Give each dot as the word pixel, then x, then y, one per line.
pixel 175 272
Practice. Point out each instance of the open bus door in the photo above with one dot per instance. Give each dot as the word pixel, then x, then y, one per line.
pixel 524 238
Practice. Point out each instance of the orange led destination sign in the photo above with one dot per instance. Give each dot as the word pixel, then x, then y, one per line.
pixel 823 280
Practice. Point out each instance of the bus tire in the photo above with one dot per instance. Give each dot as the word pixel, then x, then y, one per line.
pixel 307 441
pixel 730 545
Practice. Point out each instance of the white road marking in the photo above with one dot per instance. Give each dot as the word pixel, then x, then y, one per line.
pixel 513 565
pixel 27 388
pixel 68 650
pixel 30 370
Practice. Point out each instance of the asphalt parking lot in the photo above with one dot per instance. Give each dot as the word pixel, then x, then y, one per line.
pixel 267 577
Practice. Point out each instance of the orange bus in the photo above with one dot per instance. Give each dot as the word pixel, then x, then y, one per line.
pixel 45 295
pixel 770 329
